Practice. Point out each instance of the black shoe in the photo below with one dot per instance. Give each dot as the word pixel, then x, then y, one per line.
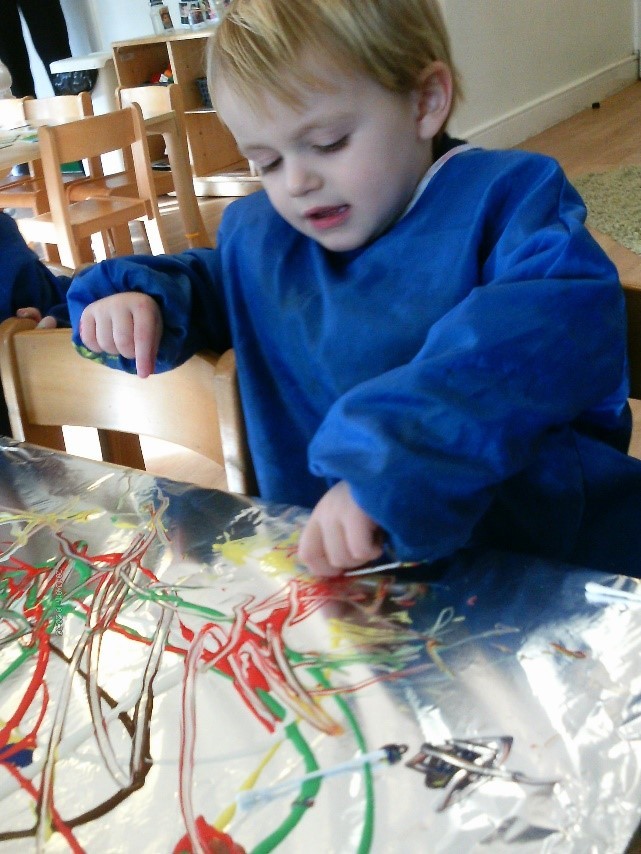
pixel 21 170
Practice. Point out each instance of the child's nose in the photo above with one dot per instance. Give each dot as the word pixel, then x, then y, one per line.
pixel 300 179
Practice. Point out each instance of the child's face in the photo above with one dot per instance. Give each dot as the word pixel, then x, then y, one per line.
pixel 343 167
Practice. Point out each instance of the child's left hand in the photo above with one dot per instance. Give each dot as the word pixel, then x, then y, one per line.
pixel 338 535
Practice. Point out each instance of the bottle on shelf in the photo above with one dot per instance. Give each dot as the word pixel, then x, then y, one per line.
pixel 160 16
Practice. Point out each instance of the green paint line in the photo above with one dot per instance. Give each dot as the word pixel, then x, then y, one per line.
pixel 20 660
pixel 309 789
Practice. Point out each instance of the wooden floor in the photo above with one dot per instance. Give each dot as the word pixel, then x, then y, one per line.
pixel 594 140
pixel 211 209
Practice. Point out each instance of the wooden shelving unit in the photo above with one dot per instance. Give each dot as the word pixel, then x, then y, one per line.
pixel 218 167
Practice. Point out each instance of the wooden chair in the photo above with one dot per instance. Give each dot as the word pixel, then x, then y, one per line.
pixel 70 226
pixel 12 117
pixel 30 191
pixel 151 99
pixel 164 113
pixel 47 384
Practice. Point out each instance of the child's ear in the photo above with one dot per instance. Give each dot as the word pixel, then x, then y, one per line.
pixel 433 95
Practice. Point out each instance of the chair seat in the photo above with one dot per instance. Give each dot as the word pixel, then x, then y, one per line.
pixel 86 218
pixel 25 194
pixel 119 184
pixel 11 181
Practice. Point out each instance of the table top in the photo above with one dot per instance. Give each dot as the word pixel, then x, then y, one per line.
pixel 18 145
pixel 166 665
pixel 21 144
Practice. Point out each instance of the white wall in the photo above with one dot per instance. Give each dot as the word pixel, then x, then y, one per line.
pixel 526 64
pixel 117 20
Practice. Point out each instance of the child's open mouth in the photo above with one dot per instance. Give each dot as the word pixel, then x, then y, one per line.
pixel 328 217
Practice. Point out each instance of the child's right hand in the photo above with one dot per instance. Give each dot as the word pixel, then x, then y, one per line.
pixel 126 324
pixel 339 535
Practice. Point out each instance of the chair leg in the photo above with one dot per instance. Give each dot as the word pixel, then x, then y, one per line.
pixel 156 236
pixel 121 240
pixel 50 251
pixel 69 255
pixel 121 448
pixel 139 236
pixel 85 251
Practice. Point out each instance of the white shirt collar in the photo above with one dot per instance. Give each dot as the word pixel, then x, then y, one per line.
pixel 431 172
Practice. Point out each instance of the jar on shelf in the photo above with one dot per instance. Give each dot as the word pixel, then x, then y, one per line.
pixel 160 16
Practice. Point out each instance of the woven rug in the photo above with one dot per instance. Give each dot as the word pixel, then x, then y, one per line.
pixel 613 200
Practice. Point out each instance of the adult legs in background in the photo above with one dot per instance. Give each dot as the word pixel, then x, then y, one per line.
pixel 48 29
pixel 13 51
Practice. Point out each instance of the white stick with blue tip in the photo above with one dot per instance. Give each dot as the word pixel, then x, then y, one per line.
pixel 390 754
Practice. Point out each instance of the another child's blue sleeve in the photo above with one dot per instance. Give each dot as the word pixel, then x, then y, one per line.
pixel 25 281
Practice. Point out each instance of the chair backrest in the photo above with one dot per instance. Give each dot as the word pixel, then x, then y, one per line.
pixel 58 107
pixel 84 139
pixel 633 307
pixel 154 99
pixel 47 384
pixel 12 111
pixel 62 108
pixel 92 136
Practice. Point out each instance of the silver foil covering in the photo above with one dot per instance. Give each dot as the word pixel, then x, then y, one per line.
pixel 172 680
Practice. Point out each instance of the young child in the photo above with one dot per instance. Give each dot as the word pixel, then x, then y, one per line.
pixel 430 346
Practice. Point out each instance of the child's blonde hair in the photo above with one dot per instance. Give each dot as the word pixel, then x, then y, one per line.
pixel 258 45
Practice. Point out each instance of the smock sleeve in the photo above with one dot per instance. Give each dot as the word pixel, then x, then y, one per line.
pixel 534 346
pixel 25 280
pixel 185 286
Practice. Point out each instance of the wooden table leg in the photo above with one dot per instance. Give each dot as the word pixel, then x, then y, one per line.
pixel 178 154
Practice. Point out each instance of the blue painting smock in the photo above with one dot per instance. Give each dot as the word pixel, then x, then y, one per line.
pixel 465 372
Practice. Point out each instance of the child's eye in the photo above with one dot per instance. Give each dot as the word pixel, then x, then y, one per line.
pixel 333 146
pixel 264 168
